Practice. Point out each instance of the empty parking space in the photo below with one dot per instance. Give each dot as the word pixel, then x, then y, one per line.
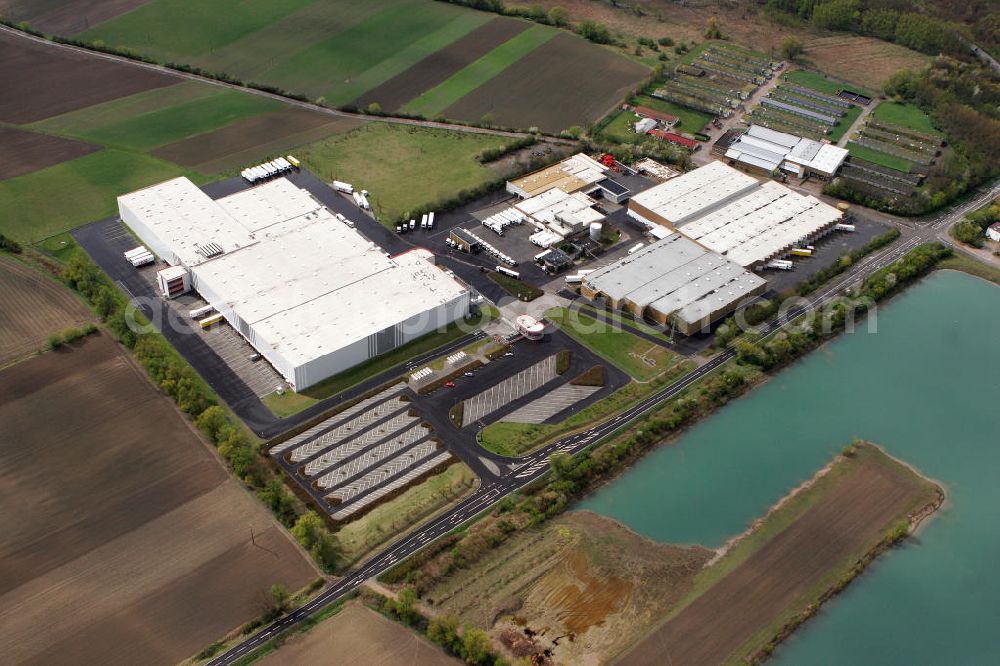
pixel 388 448
pixel 341 417
pixel 334 436
pixel 509 390
pixel 377 432
pixel 259 375
pixel 413 473
pixel 550 404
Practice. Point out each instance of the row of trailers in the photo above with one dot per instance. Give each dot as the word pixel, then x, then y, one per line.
pixel 268 170
pixel 139 256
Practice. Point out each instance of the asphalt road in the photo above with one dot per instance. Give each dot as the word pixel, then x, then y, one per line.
pixel 536 464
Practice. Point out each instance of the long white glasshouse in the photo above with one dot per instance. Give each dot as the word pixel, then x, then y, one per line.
pixel 310 293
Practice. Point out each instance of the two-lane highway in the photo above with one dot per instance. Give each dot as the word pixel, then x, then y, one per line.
pixel 536 464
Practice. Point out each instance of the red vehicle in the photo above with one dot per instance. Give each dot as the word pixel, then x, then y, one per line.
pixel 450 384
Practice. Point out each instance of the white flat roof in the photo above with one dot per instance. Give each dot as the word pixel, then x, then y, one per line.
pixel 185 218
pixel 765 222
pixel 305 281
pixel 693 194
pixel 827 160
pixel 675 276
pixel 767 148
pixel 555 206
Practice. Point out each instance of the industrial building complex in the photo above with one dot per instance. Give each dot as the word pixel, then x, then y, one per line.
pixel 675 281
pixel 310 293
pixel 734 214
pixel 765 151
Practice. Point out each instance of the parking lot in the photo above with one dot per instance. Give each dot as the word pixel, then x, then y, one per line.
pixel 355 456
pixel 500 395
pixel 545 407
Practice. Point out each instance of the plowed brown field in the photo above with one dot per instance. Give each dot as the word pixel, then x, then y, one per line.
pixel 846 520
pixel 42 80
pixel 32 307
pixel 130 542
pixel 23 152
pixel 65 17
pixel 235 145
pixel 358 635
pixel 437 67
pixel 564 68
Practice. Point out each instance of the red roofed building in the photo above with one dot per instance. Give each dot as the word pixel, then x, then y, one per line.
pixel 690 144
pixel 659 116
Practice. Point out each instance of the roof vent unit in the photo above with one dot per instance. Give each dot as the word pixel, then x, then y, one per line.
pixel 209 250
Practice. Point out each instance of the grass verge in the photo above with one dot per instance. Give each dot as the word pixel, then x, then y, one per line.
pixel 393 518
pixel 514 439
pixel 522 291
pixel 640 358
pixel 966 264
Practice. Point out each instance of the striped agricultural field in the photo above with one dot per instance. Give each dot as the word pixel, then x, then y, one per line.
pixel 32 307
pixel 419 56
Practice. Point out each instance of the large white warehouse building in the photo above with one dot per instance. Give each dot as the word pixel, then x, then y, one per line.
pixel 748 221
pixel 310 293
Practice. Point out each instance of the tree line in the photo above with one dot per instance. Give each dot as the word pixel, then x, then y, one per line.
pixel 918 31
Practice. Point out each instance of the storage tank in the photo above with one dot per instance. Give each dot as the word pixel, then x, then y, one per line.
pixel 595 231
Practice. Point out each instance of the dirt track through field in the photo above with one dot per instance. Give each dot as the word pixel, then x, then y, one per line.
pixel 437 67
pixel 32 307
pixel 23 152
pixel 40 81
pixel 130 537
pixel 722 619
pixel 564 68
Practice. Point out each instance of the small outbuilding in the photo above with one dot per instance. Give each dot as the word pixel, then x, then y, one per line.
pixel 993 232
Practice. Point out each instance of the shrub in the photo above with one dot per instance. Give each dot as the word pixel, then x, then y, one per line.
pixel 311 533
pixel 9 245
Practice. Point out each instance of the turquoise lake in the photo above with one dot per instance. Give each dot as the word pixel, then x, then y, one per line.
pixel 926 387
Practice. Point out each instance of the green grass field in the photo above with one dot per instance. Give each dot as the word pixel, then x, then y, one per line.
pixel 905 115
pixel 53 200
pixel 90 118
pixel 473 75
pixel 877 157
pixel 836 133
pixel 179 30
pixel 402 167
pixel 622 126
pixel 346 65
pixel 820 83
pixel 691 121
pixel 174 123
pixel 637 356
